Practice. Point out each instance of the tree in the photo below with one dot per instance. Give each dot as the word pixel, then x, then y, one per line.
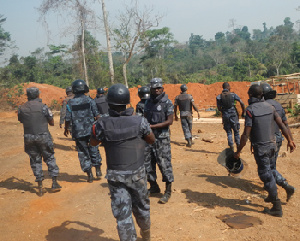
pixel 130 35
pixel 82 16
pixel 109 54
pixel 4 36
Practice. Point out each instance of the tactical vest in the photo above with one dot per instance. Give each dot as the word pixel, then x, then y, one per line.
pixel 102 104
pixel 263 123
pixel 123 145
pixel 33 119
pixel 184 102
pixel 279 110
pixel 227 100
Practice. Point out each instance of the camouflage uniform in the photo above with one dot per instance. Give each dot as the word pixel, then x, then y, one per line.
pixel 139 110
pixel 156 111
pixel 125 170
pixel 81 112
pixel 37 139
pixel 230 119
pixel 64 108
pixel 184 101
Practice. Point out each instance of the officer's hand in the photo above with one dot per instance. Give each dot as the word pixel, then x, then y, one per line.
pixel 60 126
pixel 292 146
pixel 66 132
pixel 236 155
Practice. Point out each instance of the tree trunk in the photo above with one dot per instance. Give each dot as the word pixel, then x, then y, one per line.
pixel 125 74
pixel 110 59
pixel 83 54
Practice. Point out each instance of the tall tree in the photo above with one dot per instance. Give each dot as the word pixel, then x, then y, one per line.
pixel 81 14
pixel 130 35
pixel 109 53
pixel 4 36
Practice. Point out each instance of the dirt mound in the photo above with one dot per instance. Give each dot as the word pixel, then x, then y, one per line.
pixel 204 95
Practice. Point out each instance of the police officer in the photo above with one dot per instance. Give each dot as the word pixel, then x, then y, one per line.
pixel 259 126
pixel 269 96
pixel 226 104
pixel 123 136
pixel 81 112
pixel 101 102
pixel 159 112
pixel 144 94
pixel 186 104
pixel 35 117
pixel 63 110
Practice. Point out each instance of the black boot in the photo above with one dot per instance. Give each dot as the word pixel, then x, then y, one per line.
pixel 276 210
pixel 154 188
pixel 289 190
pixel 98 173
pixel 189 144
pixel 40 189
pixel 90 176
pixel 268 199
pixel 165 198
pixel 55 186
pixel 145 234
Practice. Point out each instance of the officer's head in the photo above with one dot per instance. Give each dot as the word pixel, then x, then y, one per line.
pixel 156 86
pixel 32 93
pixel 255 91
pixel 183 88
pixel 79 87
pixel 100 91
pixel 69 89
pixel 268 92
pixel 226 85
pixel 144 93
pixel 118 97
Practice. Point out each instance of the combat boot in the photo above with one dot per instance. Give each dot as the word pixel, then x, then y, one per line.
pixel 276 210
pixel 40 191
pixel 165 198
pixel 145 234
pixel 189 144
pixel 98 173
pixel 90 176
pixel 154 188
pixel 289 190
pixel 55 186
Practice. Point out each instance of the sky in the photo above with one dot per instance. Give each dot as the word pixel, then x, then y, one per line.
pixel 200 17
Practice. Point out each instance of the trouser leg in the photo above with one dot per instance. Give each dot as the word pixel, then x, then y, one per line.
pixel 83 154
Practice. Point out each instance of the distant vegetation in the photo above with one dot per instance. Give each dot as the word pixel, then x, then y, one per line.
pixel 237 55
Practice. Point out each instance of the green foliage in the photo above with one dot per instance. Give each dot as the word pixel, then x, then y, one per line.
pixel 295 111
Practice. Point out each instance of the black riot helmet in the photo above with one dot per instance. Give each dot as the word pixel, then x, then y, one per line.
pixel 144 93
pixel 32 93
pixel 183 88
pixel 100 91
pixel 268 92
pixel 118 94
pixel 256 91
pixel 68 89
pixel 79 87
pixel 156 83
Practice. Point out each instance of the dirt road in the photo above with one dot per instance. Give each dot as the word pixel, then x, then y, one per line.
pixel 202 191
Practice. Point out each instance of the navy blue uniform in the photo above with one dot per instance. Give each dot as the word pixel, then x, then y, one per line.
pixel 230 118
pixel 37 139
pixel 122 137
pixel 260 116
pixel 81 112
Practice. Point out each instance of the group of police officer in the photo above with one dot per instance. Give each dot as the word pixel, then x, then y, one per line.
pixel 135 144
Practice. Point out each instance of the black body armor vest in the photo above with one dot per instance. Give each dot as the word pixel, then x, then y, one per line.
pixel 102 104
pixel 123 144
pixel 184 102
pixel 227 100
pixel 33 118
